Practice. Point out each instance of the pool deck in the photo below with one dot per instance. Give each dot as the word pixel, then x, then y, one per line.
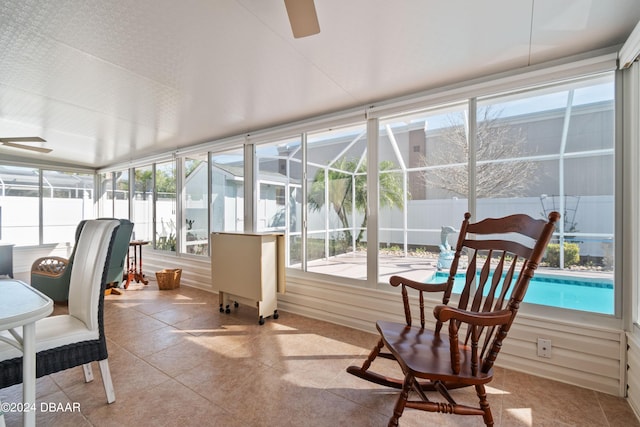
pixel 353 265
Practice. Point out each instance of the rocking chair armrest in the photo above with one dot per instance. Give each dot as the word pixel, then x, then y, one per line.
pixel 50 266
pixel 444 313
pixel 476 322
pixel 396 281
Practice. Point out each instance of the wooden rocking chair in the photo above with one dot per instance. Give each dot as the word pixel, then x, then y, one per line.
pixel 502 256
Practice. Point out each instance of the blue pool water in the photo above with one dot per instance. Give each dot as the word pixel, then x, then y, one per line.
pixel 586 294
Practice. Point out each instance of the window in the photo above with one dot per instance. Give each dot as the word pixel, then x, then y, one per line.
pixel 227 191
pixel 67 199
pixel 114 194
pixel 121 194
pixel 533 152
pixel 336 202
pixel 143 204
pixel 196 209
pixel 423 186
pixel 105 197
pixel 19 199
pixel 279 206
pixel 165 226
pixel 529 153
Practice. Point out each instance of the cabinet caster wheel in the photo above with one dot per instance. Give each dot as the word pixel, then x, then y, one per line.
pixel 261 321
pixel 221 309
pixel 235 304
pixel 275 314
pixel 227 310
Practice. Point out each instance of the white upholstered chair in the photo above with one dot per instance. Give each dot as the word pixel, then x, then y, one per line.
pixel 77 338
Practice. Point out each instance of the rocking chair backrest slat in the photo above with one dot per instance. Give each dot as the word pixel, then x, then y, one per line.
pixel 482 283
pixel 495 282
pixel 470 278
pixel 508 278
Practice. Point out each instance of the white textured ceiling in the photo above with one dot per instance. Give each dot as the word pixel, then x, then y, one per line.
pixel 107 81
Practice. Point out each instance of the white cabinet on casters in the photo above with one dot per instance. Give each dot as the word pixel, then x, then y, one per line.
pixel 248 268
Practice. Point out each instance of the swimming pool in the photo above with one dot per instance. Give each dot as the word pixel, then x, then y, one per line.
pixel 586 294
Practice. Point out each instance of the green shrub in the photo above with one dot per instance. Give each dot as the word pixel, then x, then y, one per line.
pixel 571 254
pixel 420 251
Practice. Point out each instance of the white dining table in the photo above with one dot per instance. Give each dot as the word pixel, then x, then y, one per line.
pixel 21 306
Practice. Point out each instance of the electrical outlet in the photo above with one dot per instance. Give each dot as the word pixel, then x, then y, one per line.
pixel 544 347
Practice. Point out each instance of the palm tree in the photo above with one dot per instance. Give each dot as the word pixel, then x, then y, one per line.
pixel 343 177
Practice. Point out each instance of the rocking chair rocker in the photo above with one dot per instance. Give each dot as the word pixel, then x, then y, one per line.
pixel 502 255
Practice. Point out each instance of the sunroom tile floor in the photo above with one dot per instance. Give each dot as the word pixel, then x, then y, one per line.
pixel 177 361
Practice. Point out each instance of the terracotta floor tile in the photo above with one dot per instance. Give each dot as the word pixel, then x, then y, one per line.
pixel 143 345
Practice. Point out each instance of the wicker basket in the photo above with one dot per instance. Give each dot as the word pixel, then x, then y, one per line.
pixel 169 278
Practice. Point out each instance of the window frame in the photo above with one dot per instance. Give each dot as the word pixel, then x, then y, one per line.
pixel 541 75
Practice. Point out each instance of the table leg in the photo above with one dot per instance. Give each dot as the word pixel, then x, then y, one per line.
pixel 29 373
pixel 142 279
pixel 135 263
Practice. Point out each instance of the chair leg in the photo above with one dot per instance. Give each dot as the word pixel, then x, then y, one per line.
pixel 484 405
pixel 364 373
pixel 106 380
pixel 401 402
pixel 88 372
pixel 372 355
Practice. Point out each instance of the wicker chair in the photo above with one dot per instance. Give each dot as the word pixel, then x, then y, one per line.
pixel 75 339
pixel 50 275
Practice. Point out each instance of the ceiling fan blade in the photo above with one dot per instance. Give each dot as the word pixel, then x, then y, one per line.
pixel 302 17
pixel 23 139
pixel 26 147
